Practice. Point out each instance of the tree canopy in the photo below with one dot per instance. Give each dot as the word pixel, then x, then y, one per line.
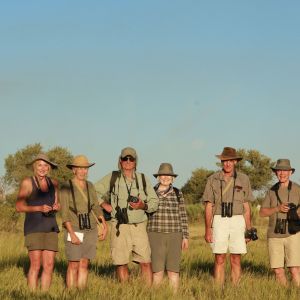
pixel 16 169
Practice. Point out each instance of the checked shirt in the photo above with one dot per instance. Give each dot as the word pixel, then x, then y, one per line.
pixel 170 216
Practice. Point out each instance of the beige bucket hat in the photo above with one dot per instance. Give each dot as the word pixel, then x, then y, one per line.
pixel 283 164
pixel 165 169
pixel 80 161
pixel 229 154
pixel 45 158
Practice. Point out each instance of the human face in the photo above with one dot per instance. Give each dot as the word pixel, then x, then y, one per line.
pixel 80 173
pixel 228 166
pixel 41 168
pixel 165 180
pixel 128 163
pixel 283 175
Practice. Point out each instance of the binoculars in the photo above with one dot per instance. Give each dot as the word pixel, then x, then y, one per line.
pixel 121 215
pixel 226 209
pixel 84 221
pixel 280 226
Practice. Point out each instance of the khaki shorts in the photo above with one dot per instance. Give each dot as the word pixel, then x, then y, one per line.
pixel 133 240
pixel 165 251
pixel 284 250
pixel 87 249
pixel 42 241
pixel 229 234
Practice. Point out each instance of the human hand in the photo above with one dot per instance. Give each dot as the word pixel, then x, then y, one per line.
pixel 106 206
pixel 283 207
pixel 56 206
pixel 208 235
pixel 104 229
pixel 137 205
pixel 74 239
pixel 185 244
pixel 45 208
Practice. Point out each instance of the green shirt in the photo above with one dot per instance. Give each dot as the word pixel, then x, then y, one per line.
pixel 120 195
pixel 67 205
pixel 271 201
pixel 239 192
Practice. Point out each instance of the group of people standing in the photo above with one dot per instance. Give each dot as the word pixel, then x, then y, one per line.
pixel 149 224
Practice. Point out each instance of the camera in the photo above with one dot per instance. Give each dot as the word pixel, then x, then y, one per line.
pixel 133 199
pixel 121 215
pixel 50 213
pixel 84 221
pixel 226 209
pixel 280 226
pixel 251 234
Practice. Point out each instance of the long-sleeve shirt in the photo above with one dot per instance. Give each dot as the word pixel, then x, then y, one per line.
pixel 170 216
pixel 119 195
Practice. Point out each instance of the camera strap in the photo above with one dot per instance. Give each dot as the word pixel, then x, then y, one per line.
pixel 87 199
pixel 276 189
pixel 223 192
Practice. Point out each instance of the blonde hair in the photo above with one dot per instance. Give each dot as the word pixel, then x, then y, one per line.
pixel 34 165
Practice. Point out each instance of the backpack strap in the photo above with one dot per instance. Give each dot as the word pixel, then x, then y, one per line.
pixel 113 179
pixel 144 184
pixel 73 197
pixel 176 190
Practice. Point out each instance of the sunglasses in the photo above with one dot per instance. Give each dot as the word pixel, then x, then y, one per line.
pixel 126 158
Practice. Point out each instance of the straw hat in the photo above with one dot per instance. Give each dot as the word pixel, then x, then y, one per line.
pixel 45 158
pixel 229 154
pixel 80 161
pixel 283 164
pixel 165 169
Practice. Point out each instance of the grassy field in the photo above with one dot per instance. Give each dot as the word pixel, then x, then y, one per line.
pixel 196 276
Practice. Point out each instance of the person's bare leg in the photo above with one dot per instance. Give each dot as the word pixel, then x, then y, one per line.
pixel 174 280
pixel 295 272
pixel 236 270
pixel 219 270
pixel 158 278
pixel 72 274
pixel 280 276
pixel 35 257
pixel 48 266
pixel 122 273
pixel 146 269
pixel 83 273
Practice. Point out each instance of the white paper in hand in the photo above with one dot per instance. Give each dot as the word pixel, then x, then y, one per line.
pixel 78 234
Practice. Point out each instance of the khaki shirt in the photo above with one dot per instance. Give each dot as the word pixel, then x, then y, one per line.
pixel 67 205
pixel 239 192
pixel 270 201
pixel 120 195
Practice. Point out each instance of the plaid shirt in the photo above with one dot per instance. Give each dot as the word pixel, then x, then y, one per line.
pixel 170 216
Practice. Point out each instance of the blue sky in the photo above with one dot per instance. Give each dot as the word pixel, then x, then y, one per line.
pixel 177 80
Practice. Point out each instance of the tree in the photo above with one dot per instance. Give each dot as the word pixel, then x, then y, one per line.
pixel 194 187
pixel 258 167
pixel 16 169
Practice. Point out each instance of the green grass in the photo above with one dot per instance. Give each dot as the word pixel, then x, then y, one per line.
pixel 196 278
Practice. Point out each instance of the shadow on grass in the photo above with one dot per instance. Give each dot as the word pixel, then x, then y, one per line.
pixel 200 267
pixel 258 269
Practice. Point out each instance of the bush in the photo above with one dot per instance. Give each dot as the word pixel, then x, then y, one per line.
pixel 195 212
pixel 10 220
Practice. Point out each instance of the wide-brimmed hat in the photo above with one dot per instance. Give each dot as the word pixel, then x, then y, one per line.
pixel 165 169
pixel 283 164
pixel 45 158
pixel 80 161
pixel 128 151
pixel 229 154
